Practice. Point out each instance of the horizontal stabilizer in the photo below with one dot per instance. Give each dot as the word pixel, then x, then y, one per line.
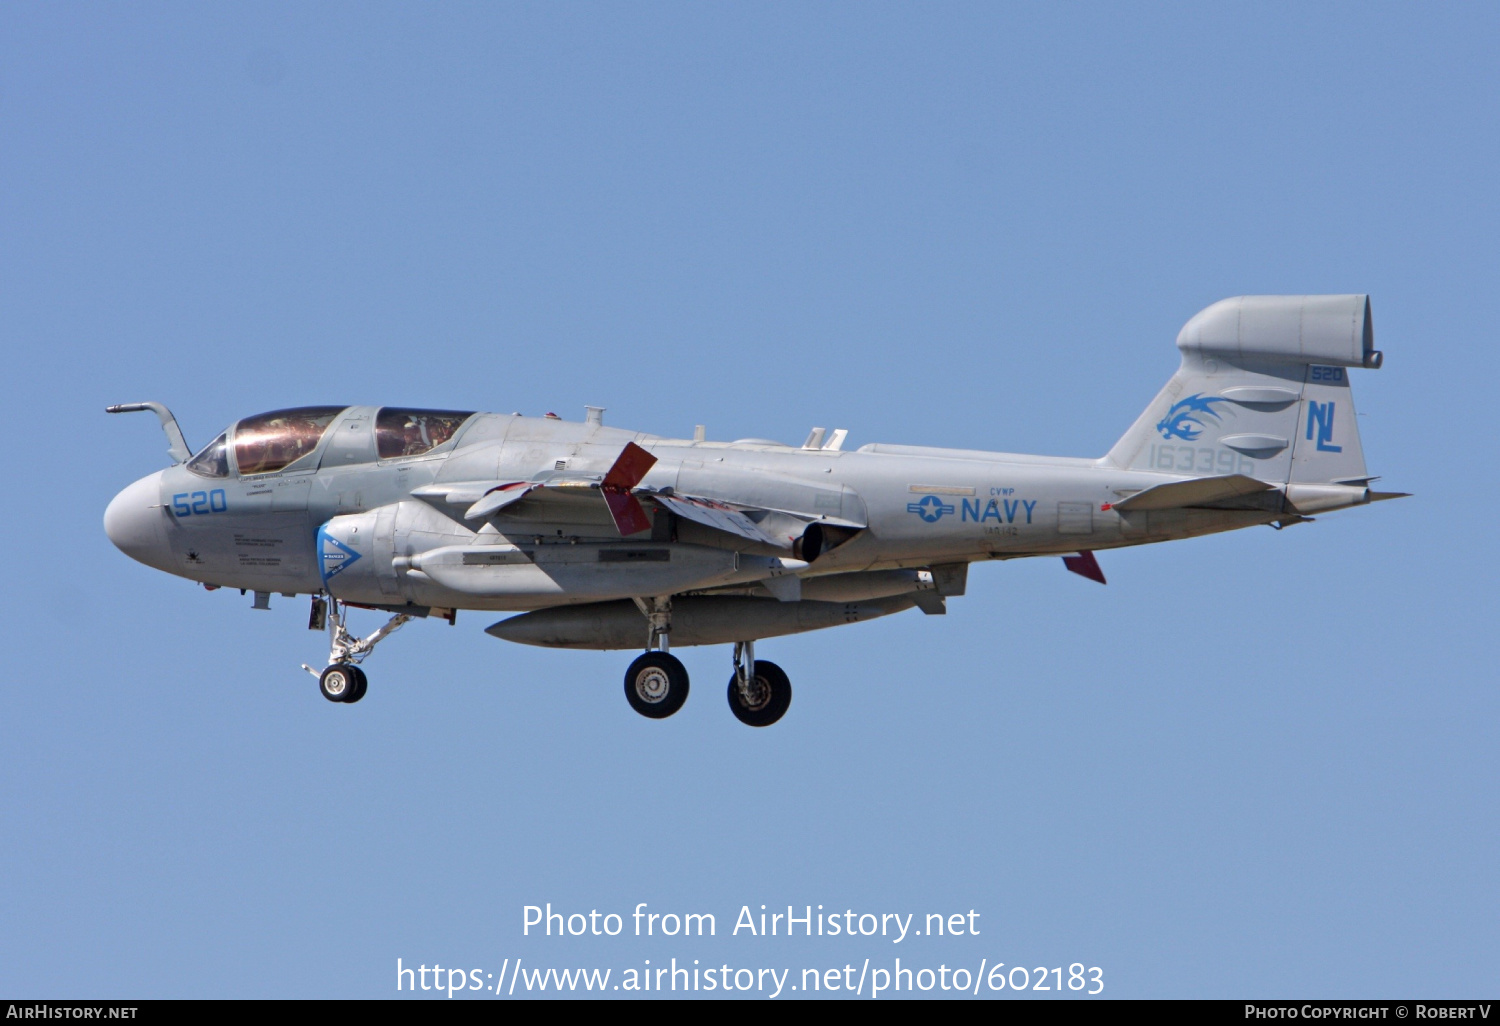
pixel 1197 492
pixel 1382 496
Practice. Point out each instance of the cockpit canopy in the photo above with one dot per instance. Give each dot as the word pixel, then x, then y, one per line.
pixel 273 441
pixel 213 461
pixel 401 432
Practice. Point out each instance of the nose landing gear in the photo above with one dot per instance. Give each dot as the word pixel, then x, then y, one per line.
pixel 342 680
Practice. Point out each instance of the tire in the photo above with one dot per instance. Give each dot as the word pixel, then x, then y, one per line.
pixel 361 685
pixel 338 682
pixel 771 695
pixel 656 685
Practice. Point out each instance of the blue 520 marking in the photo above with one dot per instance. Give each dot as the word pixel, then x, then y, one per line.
pixel 185 504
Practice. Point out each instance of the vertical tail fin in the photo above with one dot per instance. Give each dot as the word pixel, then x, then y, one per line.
pixel 1263 390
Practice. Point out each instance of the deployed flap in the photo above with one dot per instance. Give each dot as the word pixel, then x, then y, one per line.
pixel 760 491
pixel 1197 492
pixel 717 515
pixel 780 528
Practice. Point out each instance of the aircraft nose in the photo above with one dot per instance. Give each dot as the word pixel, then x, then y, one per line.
pixel 134 523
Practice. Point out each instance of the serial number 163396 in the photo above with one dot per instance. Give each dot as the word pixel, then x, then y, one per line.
pixel 1199 459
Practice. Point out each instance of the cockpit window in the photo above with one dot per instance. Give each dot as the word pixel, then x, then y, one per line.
pixel 213 461
pixel 412 432
pixel 274 440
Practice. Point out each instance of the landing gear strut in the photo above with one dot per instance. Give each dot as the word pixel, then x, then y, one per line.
pixel 759 690
pixel 656 684
pixel 343 680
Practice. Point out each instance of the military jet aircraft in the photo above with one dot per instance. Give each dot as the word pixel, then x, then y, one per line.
pixel 608 539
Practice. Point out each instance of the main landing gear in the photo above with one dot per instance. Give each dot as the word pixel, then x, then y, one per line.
pixel 343 680
pixel 759 690
pixel 656 685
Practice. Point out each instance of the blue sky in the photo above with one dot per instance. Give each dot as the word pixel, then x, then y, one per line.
pixel 1254 764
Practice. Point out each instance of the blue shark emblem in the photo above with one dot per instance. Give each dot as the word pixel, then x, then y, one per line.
pixel 334 557
pixel 1182 420
pixel 930 509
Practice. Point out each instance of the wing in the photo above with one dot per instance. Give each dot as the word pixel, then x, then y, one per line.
pixel 566 499
pixel 552 497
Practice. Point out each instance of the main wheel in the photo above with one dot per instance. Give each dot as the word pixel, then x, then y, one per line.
pixel 766 698
pixel 339 681
pixel 361 685
pixel 656 685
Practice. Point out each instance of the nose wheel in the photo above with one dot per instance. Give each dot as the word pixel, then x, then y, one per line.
pixel 343 682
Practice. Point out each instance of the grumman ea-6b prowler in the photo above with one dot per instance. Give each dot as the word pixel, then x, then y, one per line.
pixel 608 539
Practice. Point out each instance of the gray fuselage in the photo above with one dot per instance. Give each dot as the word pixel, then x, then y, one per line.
pixel 919 508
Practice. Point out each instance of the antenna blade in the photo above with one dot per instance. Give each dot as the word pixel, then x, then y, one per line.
pixel 1085 565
